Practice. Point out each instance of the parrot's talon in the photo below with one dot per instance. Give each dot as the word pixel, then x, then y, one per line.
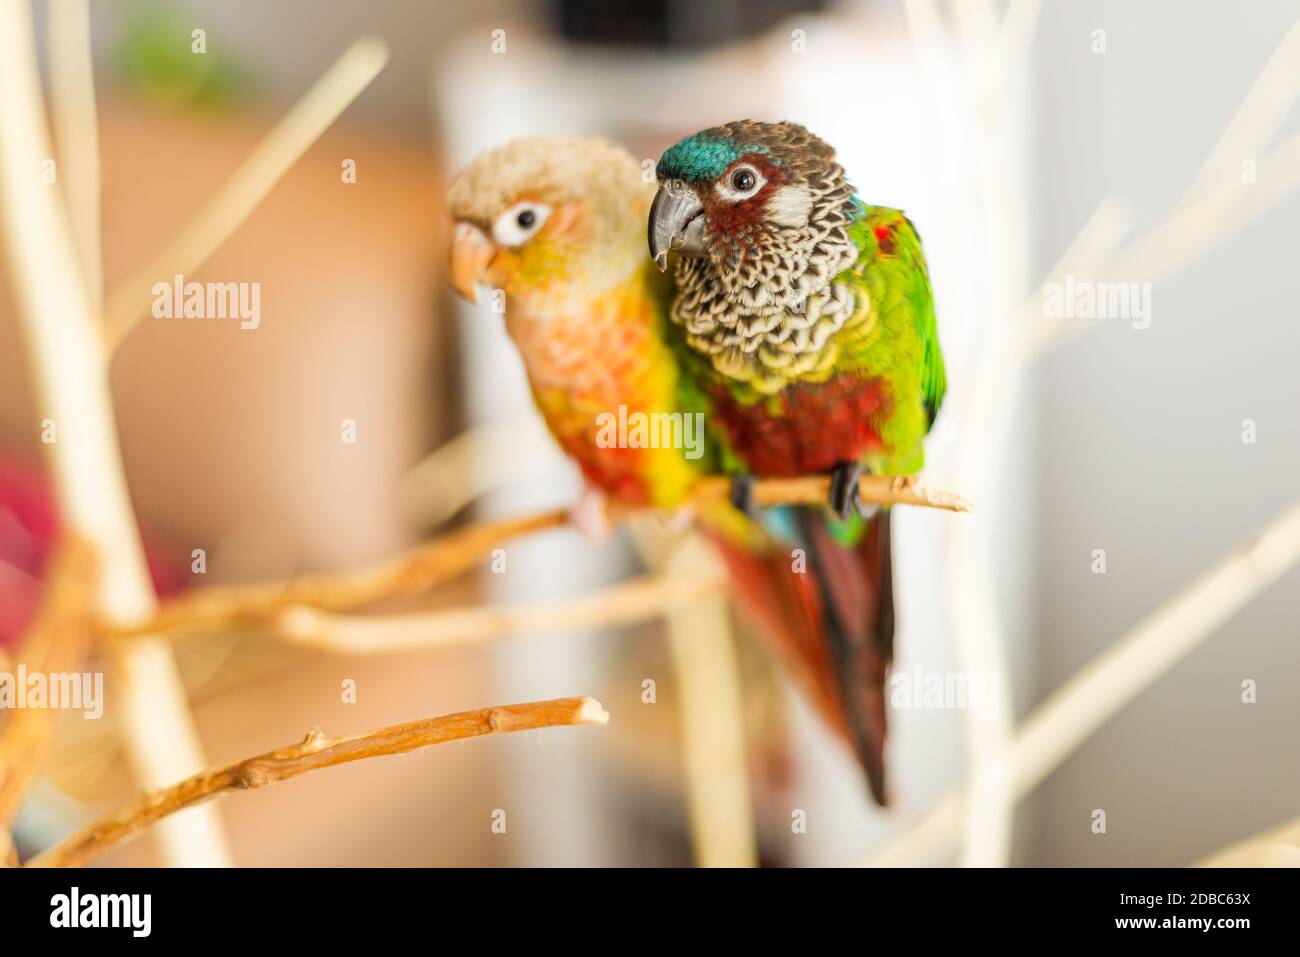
pixel 742 494
pixel 843 497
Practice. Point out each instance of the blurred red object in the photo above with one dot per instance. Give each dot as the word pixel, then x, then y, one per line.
pixel 29 527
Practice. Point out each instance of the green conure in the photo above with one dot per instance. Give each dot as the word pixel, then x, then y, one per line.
pixel 808 325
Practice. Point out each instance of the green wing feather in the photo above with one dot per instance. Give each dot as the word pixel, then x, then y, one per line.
pixel 934 381
pixel 898 259
pixel 901 341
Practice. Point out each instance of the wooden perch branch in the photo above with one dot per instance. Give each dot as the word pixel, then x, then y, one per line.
pixel 314 752
pixel 457 552
pixel 56 644
pixel 811 490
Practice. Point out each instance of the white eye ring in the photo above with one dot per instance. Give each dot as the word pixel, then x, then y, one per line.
pixel 733 195
pixel 520 223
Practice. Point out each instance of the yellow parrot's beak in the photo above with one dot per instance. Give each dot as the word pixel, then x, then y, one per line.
pixel 471 254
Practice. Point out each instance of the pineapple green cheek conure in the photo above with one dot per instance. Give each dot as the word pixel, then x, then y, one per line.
pixel 557 225
pixel 810 327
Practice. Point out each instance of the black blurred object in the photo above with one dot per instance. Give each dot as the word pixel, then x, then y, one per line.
pixel 671 24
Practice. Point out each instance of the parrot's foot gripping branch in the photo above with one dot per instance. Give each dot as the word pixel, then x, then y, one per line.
pixel 742 494
pixel 843 495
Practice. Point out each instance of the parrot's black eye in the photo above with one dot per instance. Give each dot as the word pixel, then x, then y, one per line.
pixel 740 184
pixel 520 223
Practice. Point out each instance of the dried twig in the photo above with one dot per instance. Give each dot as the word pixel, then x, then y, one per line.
pixel 314 752
pixel 229 206
pixel 56 644
pixel 456 552
pixel 628 602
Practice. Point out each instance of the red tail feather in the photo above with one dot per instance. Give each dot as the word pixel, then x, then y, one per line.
pixel 832 625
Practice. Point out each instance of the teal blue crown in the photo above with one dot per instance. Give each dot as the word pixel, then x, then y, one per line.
pixel 702 157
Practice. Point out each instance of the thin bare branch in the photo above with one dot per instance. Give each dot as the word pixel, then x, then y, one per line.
pixel 314 752
pixel 310 117
pixel 628 602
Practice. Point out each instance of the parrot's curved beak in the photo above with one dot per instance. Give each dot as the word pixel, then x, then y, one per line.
pixel 676 222
pixel 471 254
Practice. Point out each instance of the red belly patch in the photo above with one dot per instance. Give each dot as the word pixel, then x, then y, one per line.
pixel 814 426
pixel 618 472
